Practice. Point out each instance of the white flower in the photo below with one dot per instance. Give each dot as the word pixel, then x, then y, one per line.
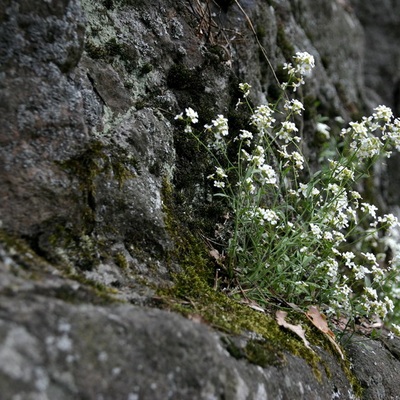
pixel 370 209
pixel 389 219
pixel 219 127
pixel 220 172
pixel 268 215
pixel 304 63
pixel 323 129
pixel 371 258
pixel 360 271
pixel 303 189
pixel 333 267
pixel 315 191
pixel 285 133
pixel 245 88
pixel 382 113
pixel 371 292
pixel 295 157
pixel 294 105
pixel 290 69
pixel 179 116
pixel 396 329
pixel 246 156
pixel 355 195
pixel 348 257
pixel 262 118
pixel 298 160
pixel 219 184
pixel 328 236
pixel 316 230
pixel 389 303
pixel 356 130
pixel 245 135
pixel 192 115
pixel 341 172
pixel 268 174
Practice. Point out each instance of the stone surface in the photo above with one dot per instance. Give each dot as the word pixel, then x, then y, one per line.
pixel 382 50
pixel 376 365
pixel 42 118
pixel 382 76
pixel 57 350
pixel 95 175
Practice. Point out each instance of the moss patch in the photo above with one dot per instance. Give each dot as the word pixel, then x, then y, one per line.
pixel 99 159
pixel 31 266
pixel 194 295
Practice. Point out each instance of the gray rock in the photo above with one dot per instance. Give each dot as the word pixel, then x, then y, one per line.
pixel 50 349
pixel 377 367
pixel 95 173
pixel 42 121
pixel 382 51
pixel 382 76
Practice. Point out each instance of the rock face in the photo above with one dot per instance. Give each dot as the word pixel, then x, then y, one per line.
pixel 96 180
pixel 52 350
pixel 381 72
pixel 42 113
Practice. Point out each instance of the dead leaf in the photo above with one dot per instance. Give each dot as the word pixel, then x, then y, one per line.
pixel 214 253
pixel 319 320
pixel 252 304
pixel 297 329
pixel 217 256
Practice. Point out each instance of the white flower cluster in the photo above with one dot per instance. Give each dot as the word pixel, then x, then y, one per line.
pixel 295 106
pixel 219 177
pixel 262 119
pixel 374 135
pixel 303 65
pixel 318 237
pixel 294 159
pixel 286 132
pixel 190 117
pixel 245 88
pixel 262 215
pixel 219 127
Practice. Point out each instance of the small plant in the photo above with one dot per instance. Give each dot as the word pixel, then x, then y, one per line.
pixel 306 237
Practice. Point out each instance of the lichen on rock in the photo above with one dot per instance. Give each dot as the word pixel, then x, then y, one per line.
pixel 107 288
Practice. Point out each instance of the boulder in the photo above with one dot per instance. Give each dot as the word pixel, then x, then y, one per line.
pixel 103 198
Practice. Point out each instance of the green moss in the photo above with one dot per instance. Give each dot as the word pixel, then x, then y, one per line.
pixel 95 52
pixel 101 290
pixel 146 68
pixel 258 352
pixel 121 261
pixel 90 292
pixel 98 159
pixel 87 165
pixel 263 353
pixel 194 293
pixel 194 287
pixel 261 31
pixel 32 266
pixel 233 349
pixel 22 253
